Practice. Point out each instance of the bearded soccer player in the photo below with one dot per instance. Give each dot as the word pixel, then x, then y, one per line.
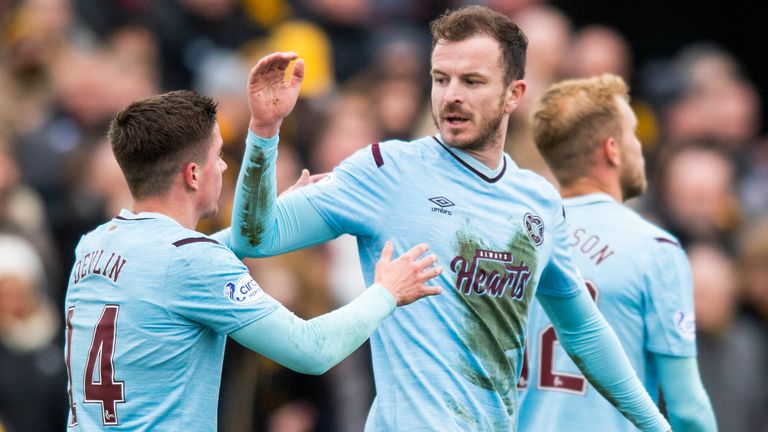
pixel 448 363
pixel 636 273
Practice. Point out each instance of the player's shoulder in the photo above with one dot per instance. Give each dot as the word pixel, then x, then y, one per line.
pixel 655 238
pixel 385 156
pixel 162 232
pixel 653 232
pixel 533 183
pixel 399 151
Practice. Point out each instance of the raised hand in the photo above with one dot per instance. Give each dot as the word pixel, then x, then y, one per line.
pixel 272 95
pixel 405 277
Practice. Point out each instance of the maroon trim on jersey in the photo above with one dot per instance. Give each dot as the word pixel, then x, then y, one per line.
pixel 126 219
pixel 666 240
pixel 376 150
pixel 469 167
pixel 189 240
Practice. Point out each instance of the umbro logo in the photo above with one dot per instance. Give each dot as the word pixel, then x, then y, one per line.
pixel 442 203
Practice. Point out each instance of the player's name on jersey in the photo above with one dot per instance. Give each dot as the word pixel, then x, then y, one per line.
pixel 590 245
pixel 99 263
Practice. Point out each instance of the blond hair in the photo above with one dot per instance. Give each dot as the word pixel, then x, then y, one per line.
pixel 572 118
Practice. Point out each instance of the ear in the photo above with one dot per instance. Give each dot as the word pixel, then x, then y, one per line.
pixel 192 176
pixel 514 95
pixel 612 152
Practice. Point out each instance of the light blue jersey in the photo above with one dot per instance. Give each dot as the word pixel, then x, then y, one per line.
pixel 450 362
pixel 148 307
pixel 641 281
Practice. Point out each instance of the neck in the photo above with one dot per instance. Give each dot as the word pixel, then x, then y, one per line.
pixel 589 185
pixel 175 209
pixel 491 153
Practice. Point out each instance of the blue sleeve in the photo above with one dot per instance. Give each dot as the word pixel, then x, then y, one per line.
pixel 316 345
pixel 560 277
pixel 688 405
pixel 591 343
pixel 669 313
pixel 262 223
pixel 210 286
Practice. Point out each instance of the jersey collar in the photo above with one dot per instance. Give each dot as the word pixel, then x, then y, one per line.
pixel 587 199
pixel 129 215
pixel 475 166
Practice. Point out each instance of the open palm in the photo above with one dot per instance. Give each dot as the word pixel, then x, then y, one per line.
pixel 272 95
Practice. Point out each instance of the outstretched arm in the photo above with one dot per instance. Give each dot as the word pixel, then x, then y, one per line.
pixel 594 347
pixel 687 403
pixel 316 345
pixel 262 225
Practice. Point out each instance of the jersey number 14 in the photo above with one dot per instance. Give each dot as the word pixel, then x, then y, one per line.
pixel 98 388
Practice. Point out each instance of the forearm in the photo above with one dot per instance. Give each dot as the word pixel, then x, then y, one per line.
pixel 687 403
pixel 262 224
pixel 316 345
pixel 594 347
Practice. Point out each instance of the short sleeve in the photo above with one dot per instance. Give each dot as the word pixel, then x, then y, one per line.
pixel 353 198
pixel 209 285
pixel 669 313
pixel 560 277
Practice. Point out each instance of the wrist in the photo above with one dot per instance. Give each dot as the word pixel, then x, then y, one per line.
pixel 260 142
pixel 264 131
pixel 383 292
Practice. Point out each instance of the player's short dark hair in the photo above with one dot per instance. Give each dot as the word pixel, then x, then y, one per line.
pixel 470 21
pixel 153 138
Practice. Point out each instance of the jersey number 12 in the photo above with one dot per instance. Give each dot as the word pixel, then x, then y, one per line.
pixel 548 378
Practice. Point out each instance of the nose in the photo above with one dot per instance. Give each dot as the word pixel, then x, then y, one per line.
pixel 454 93
pixel 223 165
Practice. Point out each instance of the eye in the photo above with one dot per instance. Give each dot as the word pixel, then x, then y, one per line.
pixel 440 80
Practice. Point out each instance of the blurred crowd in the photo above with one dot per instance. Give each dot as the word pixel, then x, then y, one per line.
pixel 67 65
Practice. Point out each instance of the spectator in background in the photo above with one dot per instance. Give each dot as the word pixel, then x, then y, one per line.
pixel 549 36
pixel 696 198
pixel 598 49
pixel 33 378
pixel 193 34
pixel 23 211
pixel 20 205
pixel 27 46
pixel 732 350
pixel 752 253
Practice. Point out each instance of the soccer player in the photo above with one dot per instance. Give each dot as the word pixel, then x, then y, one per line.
pixel 449 363
pixel 150 301
pixel 636 273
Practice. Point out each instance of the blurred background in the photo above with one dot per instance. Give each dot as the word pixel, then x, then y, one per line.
pixel 698 79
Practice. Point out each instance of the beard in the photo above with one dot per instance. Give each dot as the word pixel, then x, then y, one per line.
pixel 632 181
pixel 488 128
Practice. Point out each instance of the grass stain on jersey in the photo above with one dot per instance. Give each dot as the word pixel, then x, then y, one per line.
pixel 495 325
pixel 476 424
pixel 257 198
